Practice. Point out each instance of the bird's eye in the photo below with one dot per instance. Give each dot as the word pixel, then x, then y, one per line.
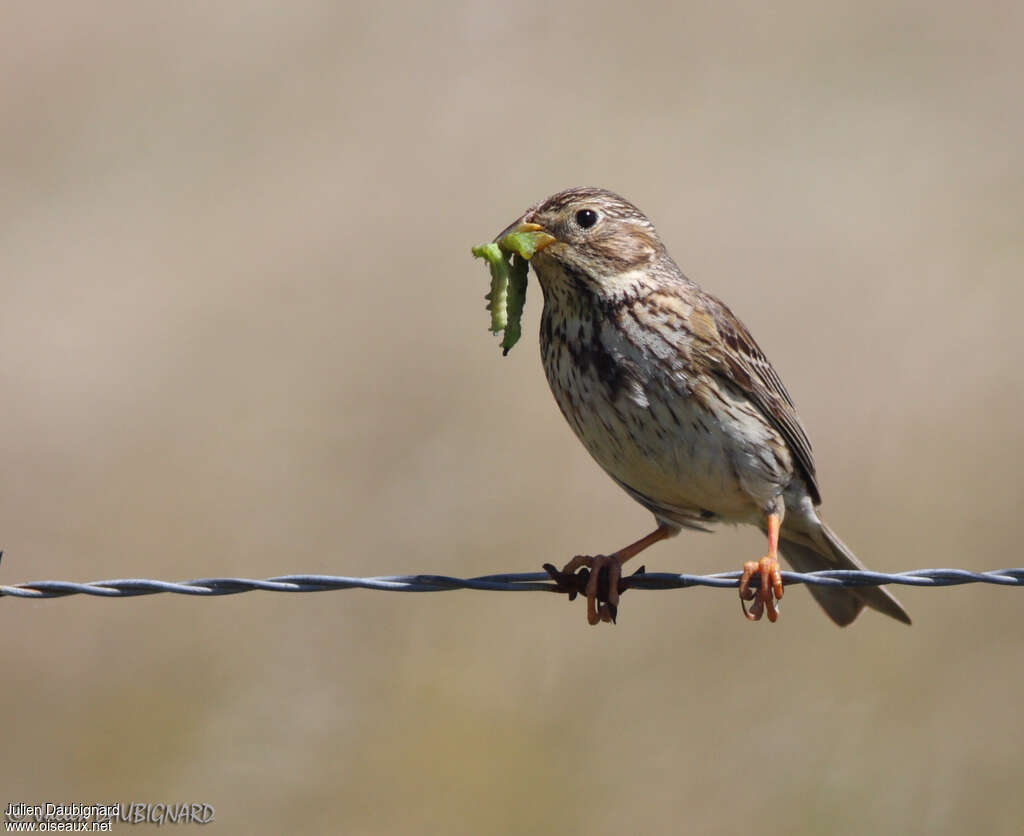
pixel 586 218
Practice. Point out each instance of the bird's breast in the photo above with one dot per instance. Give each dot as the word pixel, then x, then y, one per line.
pixel 624 378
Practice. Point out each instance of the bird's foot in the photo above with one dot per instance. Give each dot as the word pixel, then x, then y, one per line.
pixel 769 592
pixel 599 578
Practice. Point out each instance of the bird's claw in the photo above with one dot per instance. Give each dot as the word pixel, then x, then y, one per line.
pixel 599 578
pixel 768 592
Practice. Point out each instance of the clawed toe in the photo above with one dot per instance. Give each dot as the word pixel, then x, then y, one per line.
pixel 768 593
pixel 599 579
pixel 603 589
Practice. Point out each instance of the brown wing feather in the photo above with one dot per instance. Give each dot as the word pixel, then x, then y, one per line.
pixel 746 366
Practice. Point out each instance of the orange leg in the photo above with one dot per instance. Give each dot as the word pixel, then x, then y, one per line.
pixel 770 577
pixel 606 610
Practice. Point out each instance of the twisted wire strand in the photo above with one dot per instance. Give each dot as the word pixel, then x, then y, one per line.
pixel 522 582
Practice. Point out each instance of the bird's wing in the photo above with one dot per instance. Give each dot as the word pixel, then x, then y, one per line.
pixel 737 357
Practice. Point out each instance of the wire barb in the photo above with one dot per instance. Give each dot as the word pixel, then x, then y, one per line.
pixel 523 582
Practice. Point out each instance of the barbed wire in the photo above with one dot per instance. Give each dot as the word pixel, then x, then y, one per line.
pixel 508 582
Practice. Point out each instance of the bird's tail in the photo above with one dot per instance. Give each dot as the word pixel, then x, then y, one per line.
pixel 842 605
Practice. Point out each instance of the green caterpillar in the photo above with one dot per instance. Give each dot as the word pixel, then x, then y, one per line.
pixel 508 260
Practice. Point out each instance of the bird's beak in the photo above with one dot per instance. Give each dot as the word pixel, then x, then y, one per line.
pixel 528 237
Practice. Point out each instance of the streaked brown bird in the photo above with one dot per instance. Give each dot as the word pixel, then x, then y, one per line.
pixel 671 395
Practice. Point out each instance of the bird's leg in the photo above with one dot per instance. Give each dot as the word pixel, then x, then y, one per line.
pixel 770 578
pixel 611 564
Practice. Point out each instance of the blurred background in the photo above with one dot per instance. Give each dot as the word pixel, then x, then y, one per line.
pixel 241 334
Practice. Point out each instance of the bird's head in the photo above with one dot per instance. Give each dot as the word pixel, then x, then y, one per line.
pixel 591 239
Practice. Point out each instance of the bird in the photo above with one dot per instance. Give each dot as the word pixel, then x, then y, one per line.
pixel 673 398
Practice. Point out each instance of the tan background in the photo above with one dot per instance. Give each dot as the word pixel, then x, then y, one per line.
pixel 241 334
